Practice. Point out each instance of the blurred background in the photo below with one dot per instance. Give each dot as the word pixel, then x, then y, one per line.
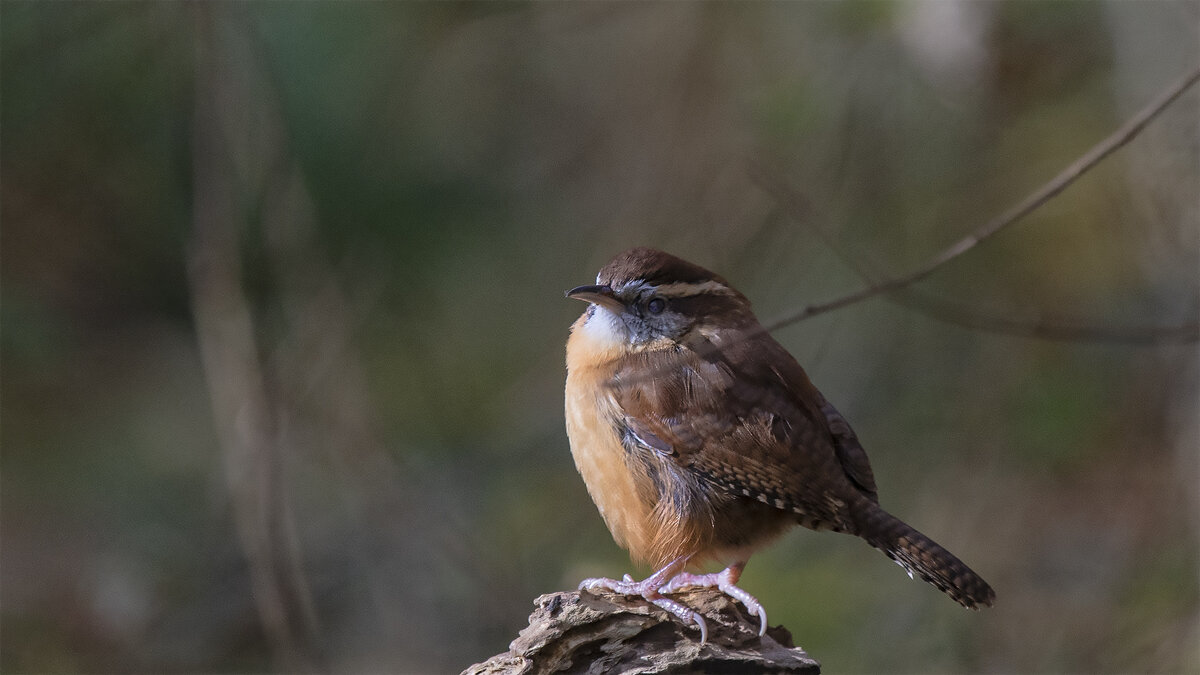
pixel 283 317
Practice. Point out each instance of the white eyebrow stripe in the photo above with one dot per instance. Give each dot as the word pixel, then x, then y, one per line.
pixel 685 289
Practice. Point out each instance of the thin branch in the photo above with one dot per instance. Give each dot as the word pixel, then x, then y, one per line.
pixel 801 211
pixel 1047 330
pixel 1065 178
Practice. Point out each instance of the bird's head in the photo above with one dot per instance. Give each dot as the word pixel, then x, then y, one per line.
pixel 647 299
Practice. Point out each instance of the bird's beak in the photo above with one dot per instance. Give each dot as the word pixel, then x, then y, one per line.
pixel 597 295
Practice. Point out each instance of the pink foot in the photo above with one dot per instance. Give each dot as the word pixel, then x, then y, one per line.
pixel 724 580
pixel 649 588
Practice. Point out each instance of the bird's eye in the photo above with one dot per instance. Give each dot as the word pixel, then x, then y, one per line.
pixel 656 305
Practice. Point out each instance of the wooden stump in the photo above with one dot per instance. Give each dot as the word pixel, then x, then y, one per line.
pixel 606 633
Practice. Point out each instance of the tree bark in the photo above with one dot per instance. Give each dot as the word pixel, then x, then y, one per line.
pixel 602 632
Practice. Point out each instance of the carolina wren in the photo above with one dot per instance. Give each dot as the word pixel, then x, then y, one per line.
pixel 700 438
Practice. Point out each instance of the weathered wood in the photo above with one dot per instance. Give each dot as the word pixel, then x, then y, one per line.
pixel 606 633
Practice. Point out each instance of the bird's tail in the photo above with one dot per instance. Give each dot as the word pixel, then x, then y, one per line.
pixel 921 556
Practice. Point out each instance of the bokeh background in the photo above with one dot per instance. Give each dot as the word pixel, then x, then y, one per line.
pixel 283 320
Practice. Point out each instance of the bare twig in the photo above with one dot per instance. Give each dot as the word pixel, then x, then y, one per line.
pixel 799 210
pixel 1047 330
pixel 1065 178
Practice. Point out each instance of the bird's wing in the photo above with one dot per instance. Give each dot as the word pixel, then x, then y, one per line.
pixel 849 451
pixel 747 419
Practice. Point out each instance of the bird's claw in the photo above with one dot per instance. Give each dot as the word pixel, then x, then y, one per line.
pixel 649 591
pixel 726 582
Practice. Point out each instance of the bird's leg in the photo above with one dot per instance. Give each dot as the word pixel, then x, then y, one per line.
pixel 726 581
pixel 649 588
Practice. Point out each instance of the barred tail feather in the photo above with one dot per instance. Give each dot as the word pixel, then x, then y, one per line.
pixel 922 557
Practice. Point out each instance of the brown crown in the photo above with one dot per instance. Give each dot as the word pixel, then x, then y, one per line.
pixel 655 267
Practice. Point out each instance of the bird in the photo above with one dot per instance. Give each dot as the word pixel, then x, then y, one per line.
pixel 701 439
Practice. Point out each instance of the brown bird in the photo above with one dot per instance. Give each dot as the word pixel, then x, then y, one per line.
pixel 700 438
